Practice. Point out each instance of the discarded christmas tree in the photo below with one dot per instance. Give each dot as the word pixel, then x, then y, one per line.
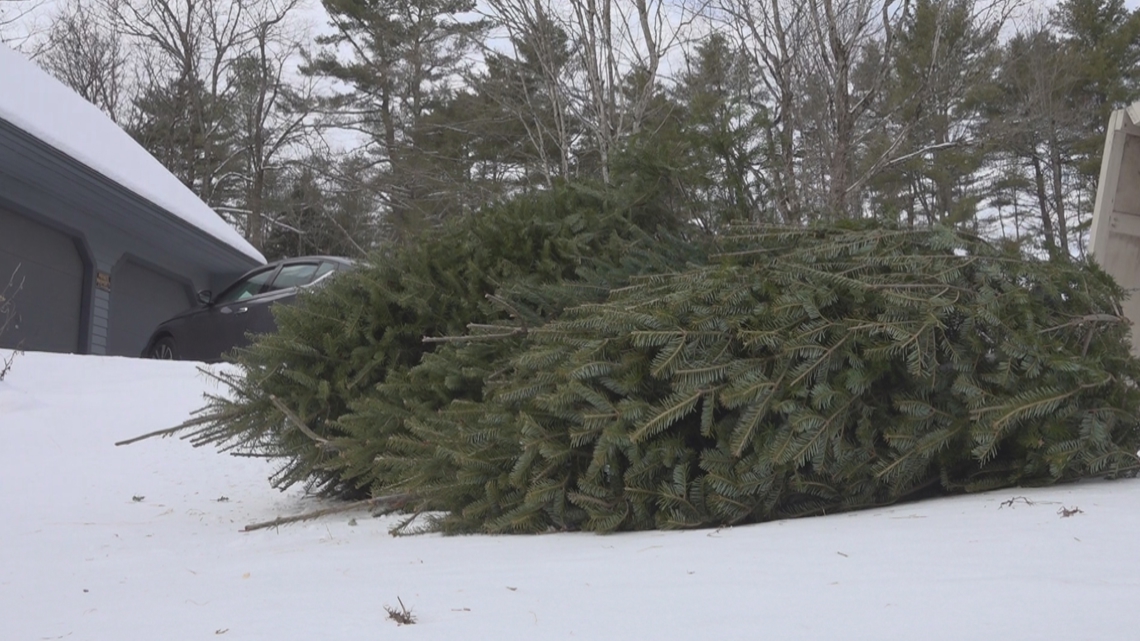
pixel 804 371
pixel 811 371
pixel 359 341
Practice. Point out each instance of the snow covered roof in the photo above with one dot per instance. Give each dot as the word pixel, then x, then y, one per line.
pixel 40 105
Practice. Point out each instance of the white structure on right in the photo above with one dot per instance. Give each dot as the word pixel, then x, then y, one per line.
pixel 1115 242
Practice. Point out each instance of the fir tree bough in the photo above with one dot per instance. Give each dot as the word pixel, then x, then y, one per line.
pixel 804 371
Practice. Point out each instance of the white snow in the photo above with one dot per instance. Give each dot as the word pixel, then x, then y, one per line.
pixel 39 104
pixel 81 559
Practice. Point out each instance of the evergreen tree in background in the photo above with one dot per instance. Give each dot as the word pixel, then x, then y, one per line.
pixel 943 69
pixel 192 148
pixel 721 131
pixel 528 134
pixel 323 212
pixel 399 57
pixel 1102 38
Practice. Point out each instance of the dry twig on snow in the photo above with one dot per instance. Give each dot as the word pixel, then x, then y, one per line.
pixel 385 503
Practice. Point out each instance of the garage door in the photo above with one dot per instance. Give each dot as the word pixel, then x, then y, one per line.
pixel 141 298
pixel 47 307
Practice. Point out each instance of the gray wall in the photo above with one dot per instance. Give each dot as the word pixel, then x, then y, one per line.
pixel 49 273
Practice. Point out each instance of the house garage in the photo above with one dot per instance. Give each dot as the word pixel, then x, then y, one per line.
pixel 98 242
pixel 51 260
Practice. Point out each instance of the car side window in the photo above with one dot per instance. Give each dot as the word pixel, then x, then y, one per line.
pixel 294 275
pixel 324 270
pixel 247 287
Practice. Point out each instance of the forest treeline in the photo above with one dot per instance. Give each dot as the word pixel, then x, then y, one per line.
pixel 400 114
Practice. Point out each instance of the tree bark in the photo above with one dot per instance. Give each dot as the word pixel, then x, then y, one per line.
pixel 1043 203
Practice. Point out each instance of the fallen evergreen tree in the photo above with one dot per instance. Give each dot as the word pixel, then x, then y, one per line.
pixel 804 371
pixel 811 371
pixel 362 336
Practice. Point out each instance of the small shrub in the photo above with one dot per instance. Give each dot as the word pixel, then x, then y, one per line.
pixel 402 615
pixel 8 316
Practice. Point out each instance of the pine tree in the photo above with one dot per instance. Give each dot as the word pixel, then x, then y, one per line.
pixel 944 57
pixel 399 58
pixel 1102 38
pixel 720 131
pixel 527 131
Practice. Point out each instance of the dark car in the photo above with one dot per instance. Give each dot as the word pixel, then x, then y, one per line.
pixel 221 323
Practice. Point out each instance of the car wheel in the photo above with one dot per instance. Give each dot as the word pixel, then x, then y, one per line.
pixel 164 349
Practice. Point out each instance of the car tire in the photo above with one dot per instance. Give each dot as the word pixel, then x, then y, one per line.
pixel 164 349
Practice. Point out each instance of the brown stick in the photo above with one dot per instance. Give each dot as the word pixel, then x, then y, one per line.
pixel 518 331
pixel 221 379
pixel 510 331
pixel 297 422
pixel 389 503
pixel 502 302
pixel 168 431
pixel 1090 318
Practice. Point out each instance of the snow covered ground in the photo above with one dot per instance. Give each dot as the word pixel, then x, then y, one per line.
pixel 142 542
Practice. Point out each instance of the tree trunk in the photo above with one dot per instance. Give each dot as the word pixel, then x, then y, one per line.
pixel 1058 191
pixel 1043 202
pixel 843 126
pixel 256 225
pixel 789 192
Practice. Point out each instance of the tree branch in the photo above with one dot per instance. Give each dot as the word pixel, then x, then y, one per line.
pixel 386 503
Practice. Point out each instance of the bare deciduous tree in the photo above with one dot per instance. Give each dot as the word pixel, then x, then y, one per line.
pixel 86 52
pixel 617 49
pixel 274 112
pixel 16 25
pixel 776 36
pixel 188 48
pixel 830 75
